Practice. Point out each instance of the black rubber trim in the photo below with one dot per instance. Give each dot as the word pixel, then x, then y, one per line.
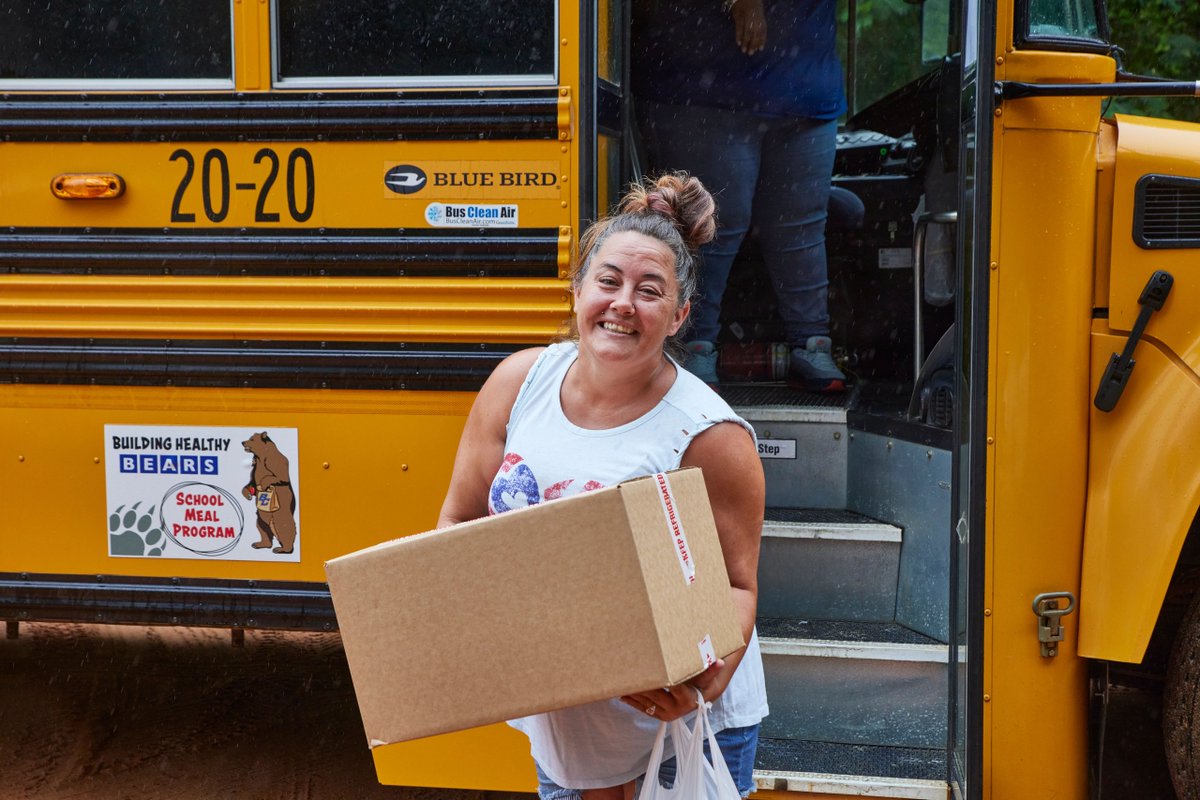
pixel 905 430
pixel 585 99
pixel 288 252
pixel 335 116
pixel 608 108
pixel 282 605
pixel 286 365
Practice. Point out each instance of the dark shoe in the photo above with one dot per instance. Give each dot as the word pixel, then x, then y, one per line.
pixel 701 361
pixel 812 367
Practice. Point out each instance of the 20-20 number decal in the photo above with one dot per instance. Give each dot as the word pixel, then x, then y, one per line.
pixel 215 185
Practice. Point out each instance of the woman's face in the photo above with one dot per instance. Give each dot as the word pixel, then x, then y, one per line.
pixel 627 303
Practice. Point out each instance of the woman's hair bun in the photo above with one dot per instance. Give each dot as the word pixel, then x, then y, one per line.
pixel 679 197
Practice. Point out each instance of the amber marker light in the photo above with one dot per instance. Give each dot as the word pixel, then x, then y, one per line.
pixel 87 186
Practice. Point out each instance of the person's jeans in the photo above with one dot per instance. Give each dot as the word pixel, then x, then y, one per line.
pixel 774 172
pixel 738 748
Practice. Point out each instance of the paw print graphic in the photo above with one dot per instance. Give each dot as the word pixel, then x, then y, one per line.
pixel 134 533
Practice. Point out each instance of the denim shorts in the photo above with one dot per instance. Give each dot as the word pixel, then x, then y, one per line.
pixel 738 746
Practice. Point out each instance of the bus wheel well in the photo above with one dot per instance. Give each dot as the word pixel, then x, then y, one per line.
pixel 1184 587
pixel 1181 705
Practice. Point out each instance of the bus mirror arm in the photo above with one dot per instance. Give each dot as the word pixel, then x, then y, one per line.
pixel 1016 90
pixel 1120 366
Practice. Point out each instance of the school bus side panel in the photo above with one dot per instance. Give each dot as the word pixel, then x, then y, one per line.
pixel 1041 291
pixel 1144 487
pixel 371 466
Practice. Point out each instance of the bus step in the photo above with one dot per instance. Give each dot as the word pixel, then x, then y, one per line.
pixel 864 683
pixel 828 564
pixel 802 440
pixel 824 768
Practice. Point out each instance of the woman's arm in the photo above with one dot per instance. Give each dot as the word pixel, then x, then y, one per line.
pixel 733 476
pixel 481 448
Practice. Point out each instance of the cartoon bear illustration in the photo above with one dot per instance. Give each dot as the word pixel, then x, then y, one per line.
pixel 271 489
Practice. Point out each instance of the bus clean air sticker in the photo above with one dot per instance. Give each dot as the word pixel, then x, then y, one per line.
pixel 192 492
pixel 471 215
pixel 708 654
pixel 682 551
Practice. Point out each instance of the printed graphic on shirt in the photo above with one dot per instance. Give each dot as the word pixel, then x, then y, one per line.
pixel 564 489
pixel 514 486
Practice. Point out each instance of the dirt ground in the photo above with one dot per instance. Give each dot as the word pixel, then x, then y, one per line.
pixel 104 712
pixel 111 712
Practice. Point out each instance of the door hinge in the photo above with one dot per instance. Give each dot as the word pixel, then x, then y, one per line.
pixel 565 132
pixel 1049 612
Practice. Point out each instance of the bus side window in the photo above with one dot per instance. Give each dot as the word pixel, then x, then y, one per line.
pixel 116 40
pixel 408 42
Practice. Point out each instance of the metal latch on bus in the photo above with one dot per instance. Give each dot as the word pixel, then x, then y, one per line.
pixel 1120 366
pixel 1049 612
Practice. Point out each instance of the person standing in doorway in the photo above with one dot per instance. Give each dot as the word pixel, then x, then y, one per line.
pixel 746 97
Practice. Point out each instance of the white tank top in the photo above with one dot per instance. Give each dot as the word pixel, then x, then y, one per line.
pixel 607 743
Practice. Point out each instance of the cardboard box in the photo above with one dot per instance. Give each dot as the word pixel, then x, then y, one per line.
pixel 590 597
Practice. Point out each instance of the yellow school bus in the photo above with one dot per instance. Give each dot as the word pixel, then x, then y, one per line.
pixel 257 256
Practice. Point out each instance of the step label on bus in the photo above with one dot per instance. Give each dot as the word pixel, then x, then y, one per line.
pixel 776 448
pixel 201 492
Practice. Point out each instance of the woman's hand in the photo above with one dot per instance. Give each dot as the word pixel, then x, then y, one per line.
pixel 678 701
pixel 750 25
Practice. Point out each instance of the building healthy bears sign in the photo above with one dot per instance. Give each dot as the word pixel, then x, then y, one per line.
pixel 202 492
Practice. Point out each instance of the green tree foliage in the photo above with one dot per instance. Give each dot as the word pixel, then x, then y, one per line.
pixel 1160 38
pixel 887 52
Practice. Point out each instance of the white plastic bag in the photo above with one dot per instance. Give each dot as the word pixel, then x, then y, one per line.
pixel 695 777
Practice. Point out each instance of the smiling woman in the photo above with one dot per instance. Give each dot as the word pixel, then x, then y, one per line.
pixel 603 407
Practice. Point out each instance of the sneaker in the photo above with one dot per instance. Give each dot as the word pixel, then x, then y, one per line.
pixel 812 367
pixel 701 361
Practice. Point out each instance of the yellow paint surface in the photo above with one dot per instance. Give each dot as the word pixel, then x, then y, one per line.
pixel 240 184
pixel 389 456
